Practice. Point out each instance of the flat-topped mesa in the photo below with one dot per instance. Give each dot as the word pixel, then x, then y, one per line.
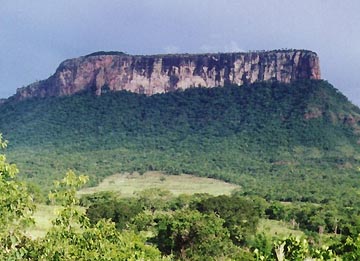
pixel 152 74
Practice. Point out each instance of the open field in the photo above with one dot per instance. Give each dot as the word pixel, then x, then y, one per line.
pixel 43 216
pixel 274 228
pixel 128 184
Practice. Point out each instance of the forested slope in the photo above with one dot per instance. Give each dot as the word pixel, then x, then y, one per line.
pixel 292 142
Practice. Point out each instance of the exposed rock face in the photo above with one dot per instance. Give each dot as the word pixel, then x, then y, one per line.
pixel 163 73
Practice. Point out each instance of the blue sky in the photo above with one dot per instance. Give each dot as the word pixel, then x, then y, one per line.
pixel 35 36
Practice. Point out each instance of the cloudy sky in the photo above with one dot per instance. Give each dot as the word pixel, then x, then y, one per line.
pixel 35 36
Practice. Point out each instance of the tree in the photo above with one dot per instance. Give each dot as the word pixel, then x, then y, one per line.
pixel 350 248
pixel 154 198
pixel 16 206
pixel 120 211
pixel 294 248
pixel 73 238
pixel 191 235
pixel 241 216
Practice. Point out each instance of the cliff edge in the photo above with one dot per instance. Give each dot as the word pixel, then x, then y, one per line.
pixel 152 74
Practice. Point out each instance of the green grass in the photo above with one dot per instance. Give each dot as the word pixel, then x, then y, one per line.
pixel 128 184
pixel 43 216
pixel 279 229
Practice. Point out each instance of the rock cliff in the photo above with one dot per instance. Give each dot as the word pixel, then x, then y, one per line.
pixel 151 74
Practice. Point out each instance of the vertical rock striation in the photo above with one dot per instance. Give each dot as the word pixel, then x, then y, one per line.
pixel 152 74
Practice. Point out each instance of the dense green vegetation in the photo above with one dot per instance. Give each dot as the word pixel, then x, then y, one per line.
pixel 293 149
pixel 205 227
pixel 288 142
pixel 71 237
pixel 153 226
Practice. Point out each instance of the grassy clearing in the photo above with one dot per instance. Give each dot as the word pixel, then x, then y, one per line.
pixel 274 228
pixel 43 216
pixel 128 184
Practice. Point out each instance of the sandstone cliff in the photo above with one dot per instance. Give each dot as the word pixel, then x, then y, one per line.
pixel 153 74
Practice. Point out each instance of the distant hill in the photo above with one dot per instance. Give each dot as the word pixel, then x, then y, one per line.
pixel 292 142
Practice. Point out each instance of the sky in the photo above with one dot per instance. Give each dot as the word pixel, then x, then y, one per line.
pixel 36 36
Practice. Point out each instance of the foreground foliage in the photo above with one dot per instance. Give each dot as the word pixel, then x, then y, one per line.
pixel 71 237
pixel 197 227
pixel 16 207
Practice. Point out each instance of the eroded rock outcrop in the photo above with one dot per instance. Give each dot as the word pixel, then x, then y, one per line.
pixel 153 74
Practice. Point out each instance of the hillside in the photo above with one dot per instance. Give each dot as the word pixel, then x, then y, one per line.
pixel 292 142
